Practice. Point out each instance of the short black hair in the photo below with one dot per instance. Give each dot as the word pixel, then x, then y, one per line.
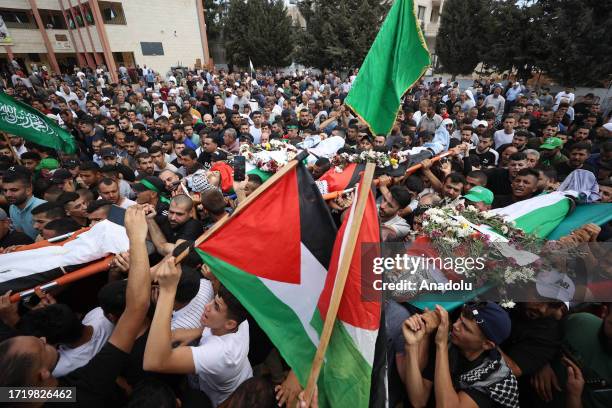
pixel 111 297
pixel 90 165
pixel 188 285
pixel 56 322
pixel 254 178
pixel 401 195
pixel 189 152
pixel 97 204
pixel 414 184
pixel 456 178
pixel 17 176
pixel 581 146
pixel 235 310
pixel 529 172
pixel 478 174
pixel 31 156
pixel 53 210
pixel 62 226
pixel 67 197
pixel 518 156
pixel 213 201
pixel 16 367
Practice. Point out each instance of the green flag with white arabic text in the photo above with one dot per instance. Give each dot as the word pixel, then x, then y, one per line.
pixel 397 59
pixel 20 119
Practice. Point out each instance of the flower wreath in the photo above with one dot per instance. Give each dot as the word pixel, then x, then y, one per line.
pixel 381 159
pixel 259 155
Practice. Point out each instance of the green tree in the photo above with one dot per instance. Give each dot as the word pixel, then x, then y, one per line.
pixel 260 30
pixel 338 34
pixel 459 42
pixel 579 41
pixel 516 38
pixel 215 13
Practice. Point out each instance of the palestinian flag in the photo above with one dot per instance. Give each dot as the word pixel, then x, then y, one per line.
pixel 350 354
pixel 539 215
pixel 595 213
pixel 273 256
pixel 333 180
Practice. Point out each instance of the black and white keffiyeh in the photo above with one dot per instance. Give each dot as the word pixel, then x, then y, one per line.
pixel 494 379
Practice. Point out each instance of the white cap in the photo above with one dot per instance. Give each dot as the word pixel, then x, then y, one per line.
pixel 608 126
pixel 228 89
pixel 254 83
pixel 483 123
pixel 279 89
pixel 149 90
pixel 105 98
pixel 154 95
pixel 447 121
pixel 555 285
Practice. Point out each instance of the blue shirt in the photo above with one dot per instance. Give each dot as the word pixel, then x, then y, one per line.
pixel 22 218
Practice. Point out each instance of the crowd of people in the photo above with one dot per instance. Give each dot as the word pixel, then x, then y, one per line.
pixel 162 148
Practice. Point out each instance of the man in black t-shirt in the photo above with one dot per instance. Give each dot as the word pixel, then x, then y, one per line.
pixel 499 180
pixel 9 238
pixel 28 361
pixel 468 372
pixel 178 225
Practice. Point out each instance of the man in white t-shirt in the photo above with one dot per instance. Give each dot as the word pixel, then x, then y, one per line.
pixel 505 135
pixel 220 361
pixel 72 358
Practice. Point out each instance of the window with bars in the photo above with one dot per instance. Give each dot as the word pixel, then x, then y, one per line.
pixel 112 12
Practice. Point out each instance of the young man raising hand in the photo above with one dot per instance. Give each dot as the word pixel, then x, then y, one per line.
pixel 220 361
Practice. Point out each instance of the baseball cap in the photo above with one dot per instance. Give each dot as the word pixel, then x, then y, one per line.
pixel 19 169
pixel 166 138
pixel 552 143
pixel 150 183
pixel 108 152
pixel 48 163
pixel 554 285
pixel 71 164
pixel 492 319
pixel 218 155
pixel 447 122
pixel 482 123
pixel 479 194
pixel 60 175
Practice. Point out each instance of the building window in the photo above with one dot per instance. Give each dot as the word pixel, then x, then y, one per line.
pixel 152 48
pixel 53 19
pixel 18 18
pixel 435 14
pixel 421 13
pixel 112 12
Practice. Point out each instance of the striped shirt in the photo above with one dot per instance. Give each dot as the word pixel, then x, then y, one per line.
pixel 189 316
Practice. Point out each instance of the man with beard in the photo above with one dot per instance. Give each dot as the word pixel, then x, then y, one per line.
pixel 550 152
pixel 17 186
pixel 178 225
pixel 579 154
pixel 395 228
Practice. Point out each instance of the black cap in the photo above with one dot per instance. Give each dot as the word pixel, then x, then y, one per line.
pixel 108 152
pixel 219 155
pixel 16 168
pixel 71 164
pixel 166 138
pixel 150 183
pixel 60 175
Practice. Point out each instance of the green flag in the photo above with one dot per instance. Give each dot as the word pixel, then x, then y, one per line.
pixel 397 59
pixel 20 119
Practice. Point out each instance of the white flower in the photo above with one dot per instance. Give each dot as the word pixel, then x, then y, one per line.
pixel 504 229
pixel 507 304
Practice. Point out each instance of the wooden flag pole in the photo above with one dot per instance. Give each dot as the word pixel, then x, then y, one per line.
pixel 269 183
pixel 341 276
pixel 13 151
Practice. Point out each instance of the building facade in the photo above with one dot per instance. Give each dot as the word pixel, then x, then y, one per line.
pixel 428 13
pixel 62 33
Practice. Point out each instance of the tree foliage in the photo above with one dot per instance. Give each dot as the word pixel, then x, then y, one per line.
pixel 338 34
pixel 260 30
pixel 215 13
pixel 459 41
pixel 579 41
pixel 569 40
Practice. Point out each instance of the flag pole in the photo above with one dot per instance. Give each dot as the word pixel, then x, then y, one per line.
pixel 343 270
pixel 13 151
pixel 269 183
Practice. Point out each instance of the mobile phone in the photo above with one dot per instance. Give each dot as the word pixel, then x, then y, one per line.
pixel 239 168
pixel 117 215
